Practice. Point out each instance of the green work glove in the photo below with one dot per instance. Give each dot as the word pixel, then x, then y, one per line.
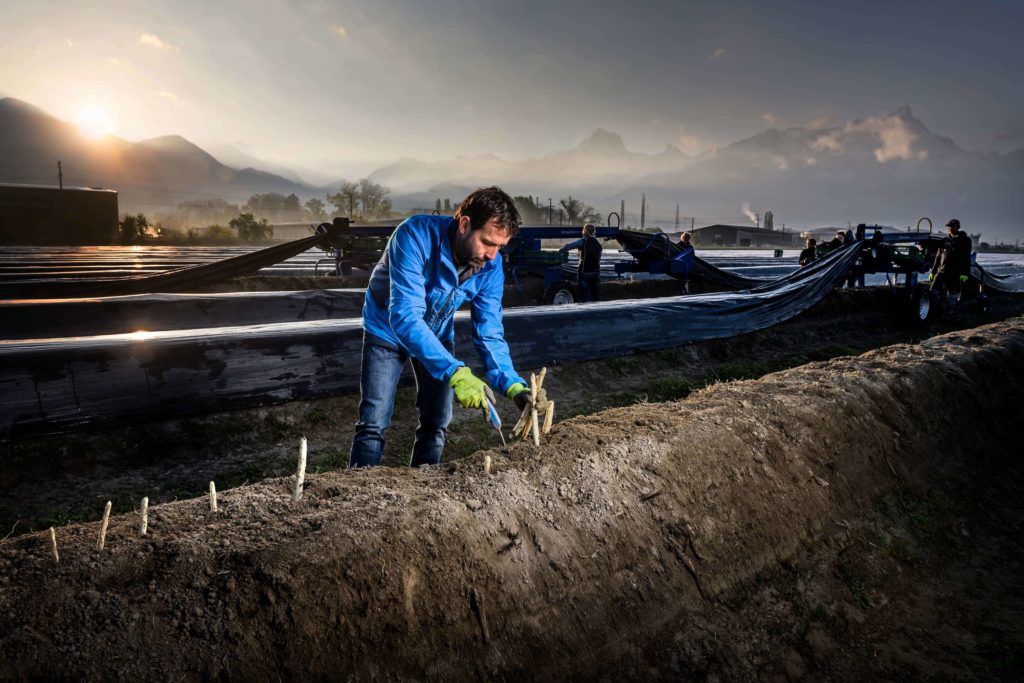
pixel 931 276
pixel 963 279
pixel 469 390
pixel 520 394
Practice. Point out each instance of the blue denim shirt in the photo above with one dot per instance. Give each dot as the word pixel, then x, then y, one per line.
pixel 413 294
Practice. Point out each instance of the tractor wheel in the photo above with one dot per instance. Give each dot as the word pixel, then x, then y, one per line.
pixel 924 306
pixel 561 293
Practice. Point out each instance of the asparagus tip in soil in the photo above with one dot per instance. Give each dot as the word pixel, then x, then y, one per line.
pixel 103 527
pixel 300 474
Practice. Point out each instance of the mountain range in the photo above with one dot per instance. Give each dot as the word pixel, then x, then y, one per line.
pixel 889 169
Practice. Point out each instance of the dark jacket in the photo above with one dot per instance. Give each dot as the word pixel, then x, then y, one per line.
pixel 807 255
pixel 590 254
pixel 954 257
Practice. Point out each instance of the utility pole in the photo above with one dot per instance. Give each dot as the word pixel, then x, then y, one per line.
pixel 549 210
pixel 643 209
pixel 622 213
pixel 60 175
pixel 677 218
pixel 757 220
pixel 691 223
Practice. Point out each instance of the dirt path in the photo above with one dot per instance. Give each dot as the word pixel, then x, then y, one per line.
pixel 652 520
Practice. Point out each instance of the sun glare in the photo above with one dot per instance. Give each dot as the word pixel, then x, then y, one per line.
pixel 94 122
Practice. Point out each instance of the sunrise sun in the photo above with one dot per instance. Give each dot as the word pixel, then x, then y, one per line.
pixel 94 122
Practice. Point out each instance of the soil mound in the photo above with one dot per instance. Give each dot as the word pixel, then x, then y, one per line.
pixel 562 559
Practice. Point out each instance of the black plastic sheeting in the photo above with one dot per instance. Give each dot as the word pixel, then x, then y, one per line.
pixel 650 248
pixel 178 280
pixel 997 283
pixel 53 385
pixel 41 319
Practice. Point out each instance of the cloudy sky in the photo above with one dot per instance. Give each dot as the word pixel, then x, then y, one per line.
pixel 345 86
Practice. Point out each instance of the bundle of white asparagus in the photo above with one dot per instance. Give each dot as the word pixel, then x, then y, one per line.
pixel 538 405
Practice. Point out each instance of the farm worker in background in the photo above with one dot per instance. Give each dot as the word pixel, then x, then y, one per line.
pixel 588 273
pixel 836 241
pixel 952 264
pixel 808 255
pixel 682 263
pixel 431 266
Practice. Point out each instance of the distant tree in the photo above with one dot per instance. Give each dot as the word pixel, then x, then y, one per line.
pixel 447 206
pixel 292 206
pixel 529 211
pixel 315 209
pixel 132 229
pixel 251 230
pixel 199 211
pixel 591 215
pixel 274 206
pixel 346 199
pixel 573 207
pixel 212 234
pixel 265 204
pixel 374 198
pixel 437 205
pixel 578 211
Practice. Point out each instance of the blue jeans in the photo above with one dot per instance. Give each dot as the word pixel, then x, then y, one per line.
pixel 590 286
pixel 378 379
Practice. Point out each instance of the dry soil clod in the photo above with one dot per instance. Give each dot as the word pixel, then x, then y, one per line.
pixel 300 473
pixel 144 516
pixel 213 497
pixel 53 545
pixel 103 527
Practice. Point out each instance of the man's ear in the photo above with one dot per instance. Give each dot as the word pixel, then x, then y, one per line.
pixel 464 225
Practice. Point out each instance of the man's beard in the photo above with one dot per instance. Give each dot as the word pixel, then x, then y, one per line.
pixel 463 255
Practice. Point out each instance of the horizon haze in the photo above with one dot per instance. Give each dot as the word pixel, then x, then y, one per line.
pixel 892 111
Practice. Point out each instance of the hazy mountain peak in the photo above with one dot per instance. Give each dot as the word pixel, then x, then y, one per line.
pixel 169 141
pixel 602 141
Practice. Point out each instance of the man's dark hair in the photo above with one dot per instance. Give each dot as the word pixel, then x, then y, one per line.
pixel 486 203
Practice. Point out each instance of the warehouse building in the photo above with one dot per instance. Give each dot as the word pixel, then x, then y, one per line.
pixel 743 236
pixel 48 215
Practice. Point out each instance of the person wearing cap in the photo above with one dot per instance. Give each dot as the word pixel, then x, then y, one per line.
pixel 952 265
pixel 588 273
